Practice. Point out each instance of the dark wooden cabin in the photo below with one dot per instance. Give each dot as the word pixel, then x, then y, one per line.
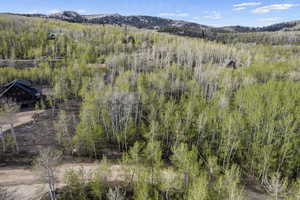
pixel 19 92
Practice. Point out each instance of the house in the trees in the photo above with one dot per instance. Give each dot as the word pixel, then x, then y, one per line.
pixel 19 92
pixel 51 36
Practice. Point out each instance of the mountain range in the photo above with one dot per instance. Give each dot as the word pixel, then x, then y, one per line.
pixel 178 27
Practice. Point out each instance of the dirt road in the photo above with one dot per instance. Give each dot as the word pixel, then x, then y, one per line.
pixel 24 185
pixel 21 118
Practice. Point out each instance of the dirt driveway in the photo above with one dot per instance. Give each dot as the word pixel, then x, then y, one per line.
pixel 24 185
pixel 22 118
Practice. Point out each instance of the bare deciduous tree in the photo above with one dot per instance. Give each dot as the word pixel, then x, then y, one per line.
pixel 116 194
pixel 45 168
pixel 276 186
pixel 61 127
pixel 8 117
pixel 2 139
pixel 4 194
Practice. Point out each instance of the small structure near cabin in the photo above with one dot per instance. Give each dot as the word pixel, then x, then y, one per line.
pixel 129 39
pixel 231 63
pixel 19 92
pixel 51 36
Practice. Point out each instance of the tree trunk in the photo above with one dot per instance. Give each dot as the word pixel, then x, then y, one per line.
pixel 15 137
pixel 3 139
pixel 51 183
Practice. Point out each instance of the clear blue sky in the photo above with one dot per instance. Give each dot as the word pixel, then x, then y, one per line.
pixel 210 12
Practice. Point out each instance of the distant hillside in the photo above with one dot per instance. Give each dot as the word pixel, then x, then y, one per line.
pixel 286 26
pixel 178 27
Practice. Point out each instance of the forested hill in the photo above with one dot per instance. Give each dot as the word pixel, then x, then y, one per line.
pixel 149 22
pixel 166 25
pixel 285 26
pixel 187 126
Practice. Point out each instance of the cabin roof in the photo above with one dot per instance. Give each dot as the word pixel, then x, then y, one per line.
pixel 22 84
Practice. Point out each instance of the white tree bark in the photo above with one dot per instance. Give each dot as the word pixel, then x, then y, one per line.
pixel 15 137
pixel 2 139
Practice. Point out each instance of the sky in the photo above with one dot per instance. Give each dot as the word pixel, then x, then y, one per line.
pixel 208 12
